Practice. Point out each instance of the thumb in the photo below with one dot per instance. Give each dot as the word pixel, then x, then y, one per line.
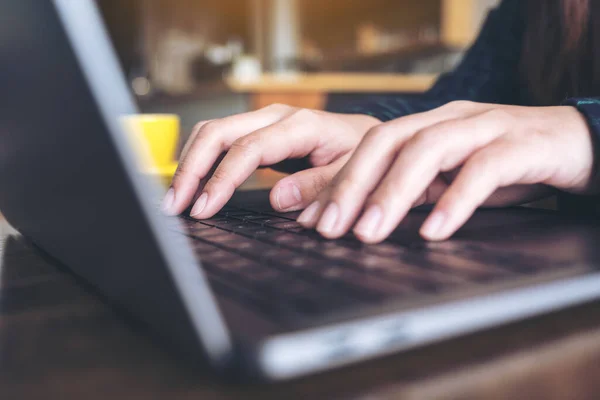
pixel 297 191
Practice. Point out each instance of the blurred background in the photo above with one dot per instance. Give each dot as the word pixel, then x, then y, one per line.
pixel 205 59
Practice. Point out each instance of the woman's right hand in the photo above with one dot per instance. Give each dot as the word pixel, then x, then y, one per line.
pixel 221 154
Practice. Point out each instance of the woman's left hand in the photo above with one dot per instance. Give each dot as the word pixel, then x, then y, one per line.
pixel 494 154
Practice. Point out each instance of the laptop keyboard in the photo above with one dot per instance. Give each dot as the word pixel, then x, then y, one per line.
pixel 268 261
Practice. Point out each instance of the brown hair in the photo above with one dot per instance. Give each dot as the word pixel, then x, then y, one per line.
pixel 561 49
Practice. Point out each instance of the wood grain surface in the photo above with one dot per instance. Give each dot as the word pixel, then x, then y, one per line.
pixel 59 341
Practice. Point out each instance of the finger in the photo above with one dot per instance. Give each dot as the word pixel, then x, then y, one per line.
pixel 297 191
pixel 293 137
pixel 192 137
pixel 209 142
pixel 344 198
pixel 433 150
pixel 502 197
pixel 203 181
pixel 498 165
pixel 433 192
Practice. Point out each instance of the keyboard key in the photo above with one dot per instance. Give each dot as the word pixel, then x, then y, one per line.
pixel 246 227
pixel 243 294
pixel 289 215
pixel 208 233
pixel 263 276
pixel 269 221
pixel 464 267
pixel 363 284
pixel 282 238
pixel 220 257
pixel 302 242
pixel 252 248
pixel 276 255
pixel 255 217
pixel 225 224
pixel 385 249
pixel 236 213
pixel 203 248
pixel 286 225
pixel 193 224
pixel 406 274
pixel 264 233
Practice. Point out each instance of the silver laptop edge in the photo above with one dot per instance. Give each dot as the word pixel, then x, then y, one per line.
pixel 292 355
pixel 90 42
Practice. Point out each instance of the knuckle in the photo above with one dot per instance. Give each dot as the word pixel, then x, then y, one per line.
pixel 305 113
pixel 429 137
pixel 199 126
pixel 499 115
pixel 319 183
pixel 277 107
pixel 417 149
pixel 220 179
pixel 480 163
pixel 183 167
pixel 247 144
pixel 377 133
pixel 177 174
pixel 209 129
pixel 219 176
pixel 459 105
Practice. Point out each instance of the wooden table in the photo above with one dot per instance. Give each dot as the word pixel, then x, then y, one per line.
pixel 59 341
pixel 311 90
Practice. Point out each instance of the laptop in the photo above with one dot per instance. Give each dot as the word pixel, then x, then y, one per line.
pixel 249 291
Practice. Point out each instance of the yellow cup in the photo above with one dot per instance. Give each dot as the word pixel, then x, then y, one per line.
pixel 155 138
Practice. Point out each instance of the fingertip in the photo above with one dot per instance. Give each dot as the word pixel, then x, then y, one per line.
pixel 181 199
pixel 211 201
pixel 435 227
pixel 309 216
pixel 436 237
pixel 328 225
pixel 368 225
pixel 332 235
pixel 168 202
pixel 199 206
pixel 286 197
pixel 369 240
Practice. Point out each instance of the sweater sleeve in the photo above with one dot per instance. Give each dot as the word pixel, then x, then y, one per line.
pixel 487 73
pixel 589 107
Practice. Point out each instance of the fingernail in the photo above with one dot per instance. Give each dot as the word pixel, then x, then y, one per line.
pixel 433 225
pixel 288 196
pixel 309 216
pixel 200 204
pixel 368 224
pixel 167 203
pixel 329 218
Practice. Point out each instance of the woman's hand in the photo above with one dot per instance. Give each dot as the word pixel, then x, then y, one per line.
pixel 221 154
pixel 500 154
